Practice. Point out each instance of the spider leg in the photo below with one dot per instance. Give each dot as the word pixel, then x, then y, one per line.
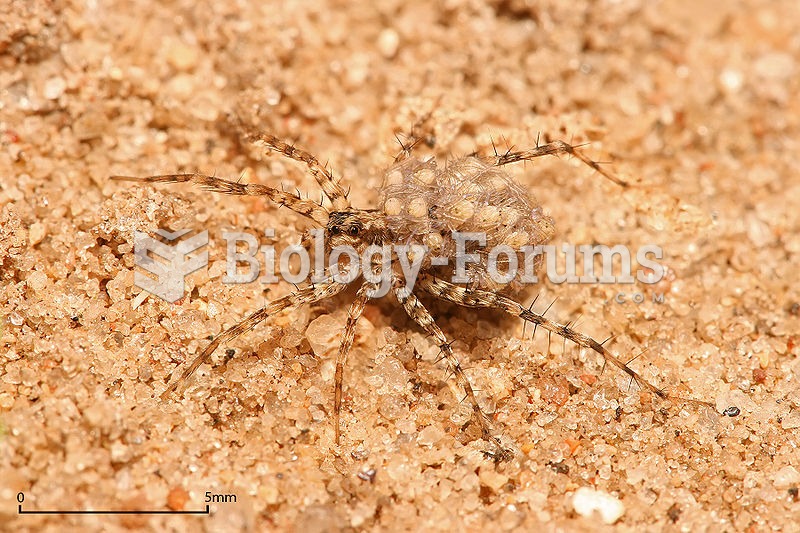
pixel 326 181
pixel 554 148
pixel 413 138
pixel 478 298
pixel 419 314
pixel 305 295
pixel 305 207
pixel 353 314
pixel 407 146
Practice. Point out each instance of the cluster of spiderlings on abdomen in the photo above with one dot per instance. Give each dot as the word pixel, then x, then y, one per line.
pixel 424 204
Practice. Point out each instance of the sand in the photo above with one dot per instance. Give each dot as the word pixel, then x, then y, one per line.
pixel 694 103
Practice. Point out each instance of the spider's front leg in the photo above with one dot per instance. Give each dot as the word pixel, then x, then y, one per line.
pixel 303 206
pixel 329 185
pixel 419 314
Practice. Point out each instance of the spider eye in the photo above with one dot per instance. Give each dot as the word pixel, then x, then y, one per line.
pixel 353 231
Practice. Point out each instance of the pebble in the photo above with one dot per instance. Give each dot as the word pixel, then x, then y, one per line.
pixel 36 233
pixel 182 56
pixel 177 498
pixel 181 86
pixel 393 407
pixel 492 479
pixel 204 108
pixel 792 420
pixel 430 435
pixel 775 65
pixel 37 281
pixel 731 80
pixel 388 43
pixel 54 87
pixel 587 501
pixel 6 400
pixel 358 68
pixel 731 411
pixel 90 125
pixel 15 319
pixel 323 333
pixel 786 477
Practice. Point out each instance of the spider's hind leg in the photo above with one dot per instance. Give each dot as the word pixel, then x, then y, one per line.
pixel 419 314
pixel 478 298
pixel 305 295
pixel 353 314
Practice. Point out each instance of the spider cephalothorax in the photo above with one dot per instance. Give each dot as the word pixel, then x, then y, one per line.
pixel 357 229
pixel 420 204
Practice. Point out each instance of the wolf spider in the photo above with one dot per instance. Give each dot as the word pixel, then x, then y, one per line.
pixel 420 203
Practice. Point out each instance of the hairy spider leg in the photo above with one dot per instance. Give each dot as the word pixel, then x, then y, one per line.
pixel 412 138
pixel 478 298
pixel 415 309
pixel 353 314
pixel 303 206
pixel 335 193
pixel 554 148
pixel 306 295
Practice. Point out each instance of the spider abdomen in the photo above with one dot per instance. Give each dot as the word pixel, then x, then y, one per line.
pixel 424 204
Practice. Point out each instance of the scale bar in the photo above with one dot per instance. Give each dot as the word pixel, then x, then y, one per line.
pixel 206 511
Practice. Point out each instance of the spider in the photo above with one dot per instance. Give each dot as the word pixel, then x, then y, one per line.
pixel 421 204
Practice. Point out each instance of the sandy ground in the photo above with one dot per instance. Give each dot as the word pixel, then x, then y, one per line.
pixel 694 102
